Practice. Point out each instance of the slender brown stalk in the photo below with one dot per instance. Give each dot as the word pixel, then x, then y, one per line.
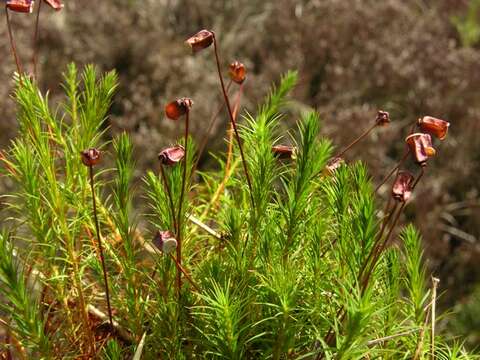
pixel 100 247
pixel 400 163
pixel 214 118
pixel 169 194
pixel 35 40
pixel 421 337
pixel 182 194
pixel 233 122
pixel 377 252
pixel 354 142
pixel 422 172
pixel 12 44
pixel 376 245
pixel 230 132
pixel 392 228
pixel 218 192
pixel 397 167
pixel 382 247
pixel 228 163
pixel 187 276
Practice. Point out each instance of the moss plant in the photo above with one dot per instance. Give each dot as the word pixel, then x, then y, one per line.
pixel 307 273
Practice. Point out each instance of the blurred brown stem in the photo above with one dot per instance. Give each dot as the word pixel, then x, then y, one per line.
pixel 187 276
pixel 100 247
pixel 230 133
pixel 354 142
pixel 214 118
pixel 400 163
pixel 228 163
pixel 182 194
pixel 232 120
pixel 35 40
pixel 12 43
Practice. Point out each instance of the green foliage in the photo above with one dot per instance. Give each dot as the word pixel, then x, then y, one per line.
pixel 280 280
pixel 468 25
pixel 26 322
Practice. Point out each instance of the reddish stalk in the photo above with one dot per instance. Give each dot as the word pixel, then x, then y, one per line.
pixel 400 163
pixel 404 157
pixel 228 163
pixel 230 132
pixel 187 276
pixel 376 253
pixel 100 247
pixel 35 40
pixel 354 142
pixel 376 245
pixel 203 144
pixel 382 247
pixel 392 228
pixel 340 313
pixel 232 121
pixel 12 44
pixel 182 194
pixel 422 172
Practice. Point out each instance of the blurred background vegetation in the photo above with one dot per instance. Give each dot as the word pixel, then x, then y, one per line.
pixel 409 57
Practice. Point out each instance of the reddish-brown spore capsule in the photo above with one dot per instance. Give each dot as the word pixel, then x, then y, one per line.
pixel 23 6
pixel 421 147
pixel 434 126
pixel 90 157
pixel 283 151
pixel 201 40
pixel 332 166
pixel 237 72
pixel 177 108
pixel 55 4
pixel 165 241
pixel 171 155
pixel 402 186
pixel 383 118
